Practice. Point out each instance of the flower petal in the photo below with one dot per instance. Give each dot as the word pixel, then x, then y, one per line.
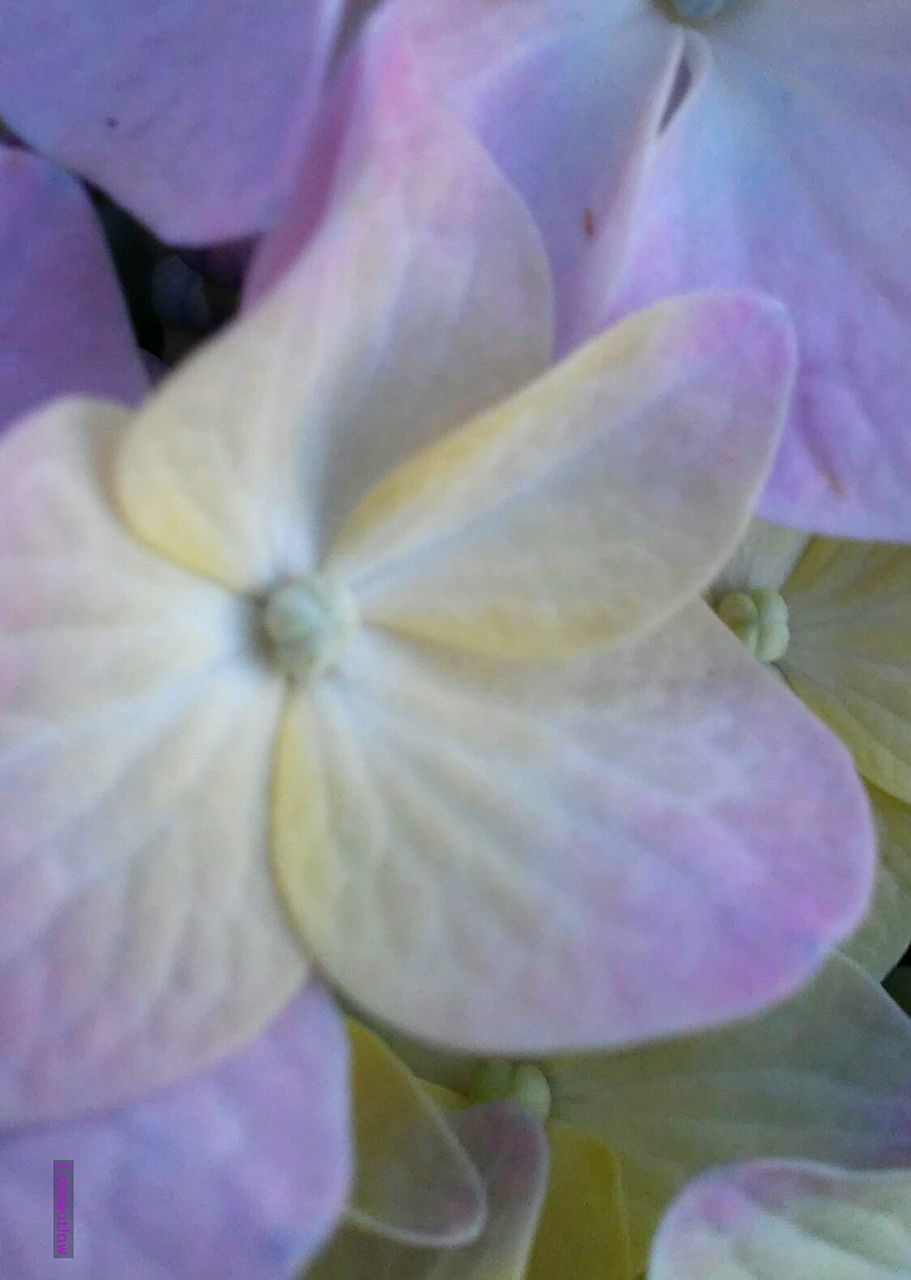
pixel 510 1151
pixel 788 170
pixel 413 1182
pixel 504 857
pixel 63 324
pixel 140 935
pixel 849 657
pixel 425 299
pixel 193 117
pixel 591 505
pixel 770 1219
pixel 824 1076
pixel 582 1232
pixel 885 933
pixel 239 1173
pixel 567 97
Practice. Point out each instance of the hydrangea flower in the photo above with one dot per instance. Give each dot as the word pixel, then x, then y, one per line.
pixel 664 146
pixel 456 731
pixel 192 116
pixel 813 1096
pixel 835 618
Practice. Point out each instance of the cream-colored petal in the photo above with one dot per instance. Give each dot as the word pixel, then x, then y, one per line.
pixel 591 505
pixel 824 1076
pixel 140 935
pixel 413 1182
pixel 424 298
pixel 770 1220
pixel 849 657
pixel 505 856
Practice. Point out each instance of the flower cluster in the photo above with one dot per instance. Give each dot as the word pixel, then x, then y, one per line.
pixel 445 829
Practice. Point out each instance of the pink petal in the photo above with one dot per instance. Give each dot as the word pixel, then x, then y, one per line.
pixel 240 1173
pixel 193 116
pixel 787 170
pixel 63 324
pixel 566 102
pixel 538 858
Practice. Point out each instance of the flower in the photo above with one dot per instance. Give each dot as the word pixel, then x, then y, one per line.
pixel 537 763
pixel 192 116
pixel 846 651
pixel 805 1109
pixel 760 143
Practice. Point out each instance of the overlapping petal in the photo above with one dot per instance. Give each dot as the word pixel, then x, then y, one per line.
pixel 593 504
pixel 787 169
pixel 424 300
pixel 192 116
pixel 771 1219
pixel 241 1172
pixel 503 857
pixel 825 1076
pixel 413 1182
pixel 63 324
pixel 567 96
pixel 849 657
pixel 509 1149
pixel 141 938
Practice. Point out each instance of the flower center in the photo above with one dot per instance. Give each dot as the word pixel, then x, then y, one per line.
pixel 308 625
pixel 760 619
pixel 698 10
pixel 520 1082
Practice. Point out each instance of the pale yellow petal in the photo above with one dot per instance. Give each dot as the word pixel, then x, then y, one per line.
pixel 594 503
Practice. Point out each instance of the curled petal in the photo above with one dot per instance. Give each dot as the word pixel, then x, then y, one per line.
pixel 509 1149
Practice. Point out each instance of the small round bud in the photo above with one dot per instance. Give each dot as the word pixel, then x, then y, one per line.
pixel 759 618
pixel 308 625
